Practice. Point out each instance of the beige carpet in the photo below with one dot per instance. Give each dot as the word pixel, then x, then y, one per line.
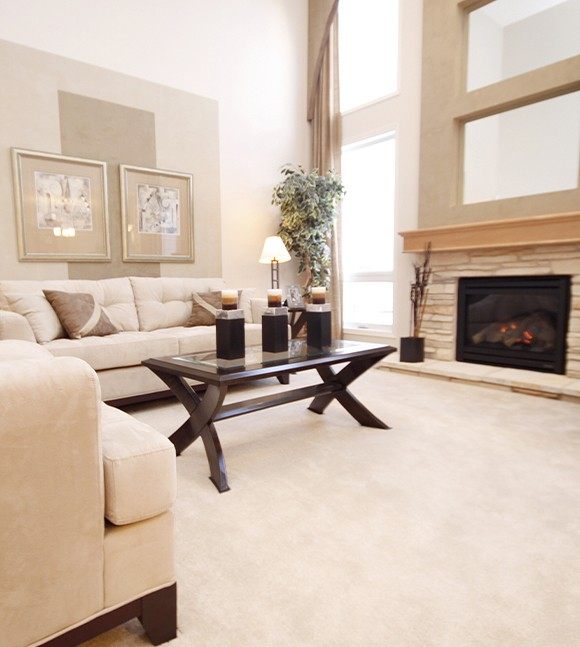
pixel 458 527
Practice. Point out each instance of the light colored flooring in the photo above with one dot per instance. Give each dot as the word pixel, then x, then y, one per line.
pixel 460 526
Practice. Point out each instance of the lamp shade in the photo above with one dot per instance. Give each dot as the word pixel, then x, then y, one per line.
pixel 274 250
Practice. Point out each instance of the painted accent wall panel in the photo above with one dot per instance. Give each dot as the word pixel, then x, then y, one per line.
pixel 185 138
pixel 114 134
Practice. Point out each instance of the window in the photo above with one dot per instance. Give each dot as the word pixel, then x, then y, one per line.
pixel 526 151
pixel 511 37
pixel 368 50
pixel 368 212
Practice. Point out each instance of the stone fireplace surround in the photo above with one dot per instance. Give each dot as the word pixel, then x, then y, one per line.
pixel 536 245
pixel 439 323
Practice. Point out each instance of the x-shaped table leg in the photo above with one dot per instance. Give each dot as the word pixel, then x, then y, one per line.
pixel 346 376
pixel 201 414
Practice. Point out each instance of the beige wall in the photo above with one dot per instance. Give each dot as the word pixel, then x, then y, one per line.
pixel 248 56
pixel 117 119
pixel 446 106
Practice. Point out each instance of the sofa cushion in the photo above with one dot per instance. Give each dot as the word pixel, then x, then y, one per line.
pixel 38 312
pixel 79 314
pixel 15 326
pixel 166 302
pixel 11 349
pixel 201 339
pixel 259 306
pixel 115 296
pixel 113 351
pixel 4 305
pixel 139 468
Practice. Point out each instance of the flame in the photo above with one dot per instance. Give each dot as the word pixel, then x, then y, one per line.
pixel 528 337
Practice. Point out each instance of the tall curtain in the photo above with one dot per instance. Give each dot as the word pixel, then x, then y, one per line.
pixel 324 115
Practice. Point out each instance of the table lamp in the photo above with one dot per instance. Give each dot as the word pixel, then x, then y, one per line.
pixel 274 252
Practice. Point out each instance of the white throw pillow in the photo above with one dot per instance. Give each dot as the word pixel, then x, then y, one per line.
pixel 42 318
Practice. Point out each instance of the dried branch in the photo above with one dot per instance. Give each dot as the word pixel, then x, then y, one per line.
pixel 419 290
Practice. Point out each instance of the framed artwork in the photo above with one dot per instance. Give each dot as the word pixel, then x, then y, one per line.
pixel 61 207
pixel 294 297
pixel 157 214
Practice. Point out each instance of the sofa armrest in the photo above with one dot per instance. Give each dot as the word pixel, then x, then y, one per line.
pixel 140 471
pixel 15 326
pixel 51 499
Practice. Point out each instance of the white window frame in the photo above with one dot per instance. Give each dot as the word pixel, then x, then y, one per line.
pixel 362 329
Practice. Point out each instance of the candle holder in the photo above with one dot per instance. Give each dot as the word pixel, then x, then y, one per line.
pixel 318 295
pixel 318 325
pixel 275 330
pixel 274 298
pixel 229 299
pixel 230 334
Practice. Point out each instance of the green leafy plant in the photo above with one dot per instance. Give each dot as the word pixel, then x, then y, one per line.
pixel 309 204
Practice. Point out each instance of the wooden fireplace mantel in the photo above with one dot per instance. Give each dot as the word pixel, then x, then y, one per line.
pixel 550 229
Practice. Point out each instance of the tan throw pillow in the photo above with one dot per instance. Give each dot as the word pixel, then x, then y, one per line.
pixel 204 308
pixel 79 314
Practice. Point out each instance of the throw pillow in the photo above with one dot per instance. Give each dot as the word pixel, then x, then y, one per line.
pixel 79 314
pixel 204 308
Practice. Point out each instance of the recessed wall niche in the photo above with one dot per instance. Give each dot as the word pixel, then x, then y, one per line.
pixel 511 37
pixel 527 151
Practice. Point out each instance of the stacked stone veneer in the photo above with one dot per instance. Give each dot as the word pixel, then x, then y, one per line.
pixel 440 320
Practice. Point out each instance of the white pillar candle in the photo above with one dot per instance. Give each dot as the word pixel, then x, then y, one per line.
pixel 274 298
pixel 318 295
pixel 229 299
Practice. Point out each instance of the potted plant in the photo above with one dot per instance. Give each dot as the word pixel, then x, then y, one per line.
pixel 309 203
pixel 413 347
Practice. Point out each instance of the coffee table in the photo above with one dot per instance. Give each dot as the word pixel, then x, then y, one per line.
pixel 207 407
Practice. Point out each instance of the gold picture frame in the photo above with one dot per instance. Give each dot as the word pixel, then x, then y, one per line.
pixel 61 207
pixel 157 215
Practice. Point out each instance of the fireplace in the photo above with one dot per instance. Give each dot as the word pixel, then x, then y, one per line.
pixel 516 321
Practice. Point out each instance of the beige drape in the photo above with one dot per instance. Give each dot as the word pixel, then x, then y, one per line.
pixel 324 113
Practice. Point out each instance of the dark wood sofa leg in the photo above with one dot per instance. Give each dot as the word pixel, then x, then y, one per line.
pixel 159 615
pixel 284 379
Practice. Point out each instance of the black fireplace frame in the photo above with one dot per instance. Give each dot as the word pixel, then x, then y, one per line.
pixel 552 362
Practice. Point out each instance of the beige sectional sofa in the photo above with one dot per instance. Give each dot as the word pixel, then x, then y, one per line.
pixel 86 526
pixel 150 314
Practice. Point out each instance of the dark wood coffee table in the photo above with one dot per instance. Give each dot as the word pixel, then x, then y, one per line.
pixel 207 407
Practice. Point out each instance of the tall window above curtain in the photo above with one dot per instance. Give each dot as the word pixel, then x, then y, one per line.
pixel 368 51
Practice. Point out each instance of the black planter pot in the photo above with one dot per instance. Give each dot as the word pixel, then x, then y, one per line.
pixel 412 349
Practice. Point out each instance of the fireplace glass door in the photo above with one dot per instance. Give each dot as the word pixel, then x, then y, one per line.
pixel 514 321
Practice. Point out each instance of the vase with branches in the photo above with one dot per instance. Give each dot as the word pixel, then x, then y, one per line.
pixel 309 204
pixel 413 347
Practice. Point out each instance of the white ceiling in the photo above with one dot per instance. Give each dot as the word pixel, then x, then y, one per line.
pixel 506 12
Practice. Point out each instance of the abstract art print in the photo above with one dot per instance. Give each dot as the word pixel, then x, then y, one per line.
pixel 158 209
pixel 61 207
pixel 157 214
pixel 63 199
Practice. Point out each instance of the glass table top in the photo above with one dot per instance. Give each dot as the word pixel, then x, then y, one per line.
pixel 256 358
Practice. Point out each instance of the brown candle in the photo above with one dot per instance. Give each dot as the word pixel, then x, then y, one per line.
pixel 274 298
pixel 229 299
pixel 318 295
